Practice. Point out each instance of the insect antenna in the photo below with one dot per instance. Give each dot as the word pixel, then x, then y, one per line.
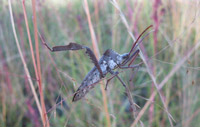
pixel 137 42
pixel 135 53
pixel 134 45
pixel 134 56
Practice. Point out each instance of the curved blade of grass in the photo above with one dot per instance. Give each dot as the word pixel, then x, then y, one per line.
pixel 23 61
pixel 115 4
pixel 173 71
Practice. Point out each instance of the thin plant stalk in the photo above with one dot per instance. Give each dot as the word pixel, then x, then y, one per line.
pixel 97 54
pixel 115 4
pixel 44 120
pixel 96 12
pixel 161 85
pixel 38 63
pixel 23 61
pixel 156 20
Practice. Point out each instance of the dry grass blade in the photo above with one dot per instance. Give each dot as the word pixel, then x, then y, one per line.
pixel 24 63
pixel 38 74
pixel 46 122
pixel 92 33
pixel 96 52
pixel 196 113
pixel 174 69
pixel 143 58
pixel 115 4
pixel 132 36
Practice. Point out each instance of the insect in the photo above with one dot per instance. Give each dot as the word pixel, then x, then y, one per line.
pixel 107 64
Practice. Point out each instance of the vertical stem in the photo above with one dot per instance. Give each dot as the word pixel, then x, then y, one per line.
pixel 92 33
pixel 97 54
pixel 155 18
pixel 23 61
pixel 143 59
pixel 97 20
pixel 38 64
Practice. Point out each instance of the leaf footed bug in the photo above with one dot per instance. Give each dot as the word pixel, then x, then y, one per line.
pixel 107 64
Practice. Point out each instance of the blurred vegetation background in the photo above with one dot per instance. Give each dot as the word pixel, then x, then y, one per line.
pixel 176 33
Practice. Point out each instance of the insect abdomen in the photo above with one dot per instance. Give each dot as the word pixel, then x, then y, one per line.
pixel 88 83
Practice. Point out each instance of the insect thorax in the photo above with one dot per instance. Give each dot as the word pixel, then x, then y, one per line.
pixel 112 58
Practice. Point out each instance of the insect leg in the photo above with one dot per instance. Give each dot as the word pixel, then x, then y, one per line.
pixel 48 47
pixel 131 66
pixel 70 46
pixel 133 75
pixel 128 94
pixel 134 57
pixel 75 46
pixel 114 74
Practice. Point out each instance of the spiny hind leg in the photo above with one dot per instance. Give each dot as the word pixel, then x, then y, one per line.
pixel 75 46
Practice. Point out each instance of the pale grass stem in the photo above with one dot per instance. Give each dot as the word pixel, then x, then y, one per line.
pixel 173 71
pixel 23 61
pixel 38 76
pixel 38 64
pixel 97 54
pixel 115 4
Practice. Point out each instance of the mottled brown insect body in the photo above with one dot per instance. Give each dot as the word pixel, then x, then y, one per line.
pixel 107 63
